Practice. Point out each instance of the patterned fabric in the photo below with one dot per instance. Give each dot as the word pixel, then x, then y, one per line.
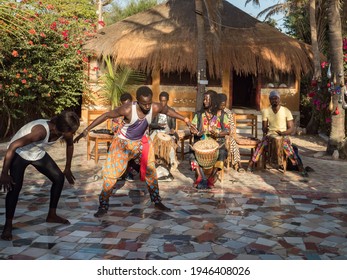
pixel 117 124
pixel 210 124
pixel 287 148
pixel 233 148
pixel 120 153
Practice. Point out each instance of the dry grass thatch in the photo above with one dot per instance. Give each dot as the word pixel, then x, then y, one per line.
pixel 165 38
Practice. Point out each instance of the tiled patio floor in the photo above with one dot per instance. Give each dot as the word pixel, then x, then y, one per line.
pixel 265 215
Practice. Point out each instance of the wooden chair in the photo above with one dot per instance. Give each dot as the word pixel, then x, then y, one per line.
pixel 183 132
pixel 247 138
pixel 101 141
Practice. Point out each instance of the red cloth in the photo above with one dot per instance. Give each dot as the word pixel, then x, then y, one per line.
pixel 144 157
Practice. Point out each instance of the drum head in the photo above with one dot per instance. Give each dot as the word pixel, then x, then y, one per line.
pixel 163 136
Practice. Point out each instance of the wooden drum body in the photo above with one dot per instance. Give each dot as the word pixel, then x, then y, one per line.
pixel 162 145
pixel 275 150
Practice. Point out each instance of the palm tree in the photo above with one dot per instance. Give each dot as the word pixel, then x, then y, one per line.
pixel 117 80
pixel 337 134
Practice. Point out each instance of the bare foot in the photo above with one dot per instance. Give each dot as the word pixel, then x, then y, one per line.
pixel 7 233
pixel 162 207
pixel 56 219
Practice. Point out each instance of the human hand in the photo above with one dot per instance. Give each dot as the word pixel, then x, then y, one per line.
pixel 83 134
pixel 279 133
pixel 214 133
pixel 200 133
pixel 6 182
pixel 69 176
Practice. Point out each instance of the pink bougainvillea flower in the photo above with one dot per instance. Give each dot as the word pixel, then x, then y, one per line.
pixel 79 52
pixel 328 84
pixel 43 35
pixel 15 53
pixel 324 64
pixel 31 43
pixel 50 7
pixel 24 81
pixel 63 21
pixel 44 45
pixel 53 26
pixel 96 68
pixel 25 71
pixel 65 33
pixel 66 46
pixel 102 23
pixel 85 59
pixel 32 31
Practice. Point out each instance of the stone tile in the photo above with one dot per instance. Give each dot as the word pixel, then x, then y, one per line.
pixel 259 216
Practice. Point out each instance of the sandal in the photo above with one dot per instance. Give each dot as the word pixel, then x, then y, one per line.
pixel 241 170
pixel 250 169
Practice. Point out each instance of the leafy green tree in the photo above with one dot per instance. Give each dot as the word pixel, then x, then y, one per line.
pixel 118 12
pixel 83 9
pixel 42 66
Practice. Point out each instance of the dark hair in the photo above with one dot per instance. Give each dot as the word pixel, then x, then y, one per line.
pixel 126 96
pixel 164 94
pixel 221 98
pixel 214 103
pixel 143 91
pixel 66 121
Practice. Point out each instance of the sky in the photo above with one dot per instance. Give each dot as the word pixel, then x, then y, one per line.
pixel 250 9
pixel 254 10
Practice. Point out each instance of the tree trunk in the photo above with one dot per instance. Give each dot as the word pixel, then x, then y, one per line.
pixel 314 41
pixel 312 126
pixel 201 48
pixel 337 135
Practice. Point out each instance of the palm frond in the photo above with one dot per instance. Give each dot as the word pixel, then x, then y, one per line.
pixel 118 79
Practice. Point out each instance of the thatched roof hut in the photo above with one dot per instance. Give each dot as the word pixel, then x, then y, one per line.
pixel 165 38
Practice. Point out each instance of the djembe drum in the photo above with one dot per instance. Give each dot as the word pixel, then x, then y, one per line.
pixel 276 155
pixel 162 145
pixel 206 152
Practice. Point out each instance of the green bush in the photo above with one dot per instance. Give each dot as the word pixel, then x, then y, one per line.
pixel 41 64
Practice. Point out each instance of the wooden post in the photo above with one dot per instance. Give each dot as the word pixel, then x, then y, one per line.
pixel 231 85
pixel 258 93
pixel 156 84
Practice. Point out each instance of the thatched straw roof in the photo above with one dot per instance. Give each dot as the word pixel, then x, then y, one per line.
pixel 164 38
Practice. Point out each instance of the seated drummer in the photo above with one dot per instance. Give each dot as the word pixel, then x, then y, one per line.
pixel 277 121
pixel 167 125
pixel 208 126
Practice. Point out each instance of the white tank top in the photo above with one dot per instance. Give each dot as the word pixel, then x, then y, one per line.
pixel 35 150
pixel 137 127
